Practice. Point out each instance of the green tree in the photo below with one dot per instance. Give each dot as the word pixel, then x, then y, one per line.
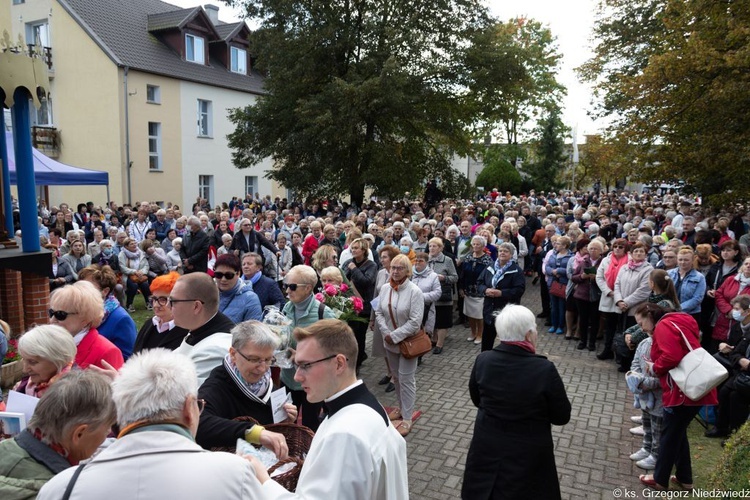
pixel 365 93
pixel 512 67
pixel 606 160
pixel 678 89
pixel 498 173
pixel 550 158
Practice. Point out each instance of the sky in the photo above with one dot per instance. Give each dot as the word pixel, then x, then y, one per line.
pixel 570 21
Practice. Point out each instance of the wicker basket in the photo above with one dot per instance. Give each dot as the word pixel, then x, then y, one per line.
pixel 298 439
pixel 11 373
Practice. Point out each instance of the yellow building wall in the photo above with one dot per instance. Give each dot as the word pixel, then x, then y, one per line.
pixel 150 185
pixel 86 104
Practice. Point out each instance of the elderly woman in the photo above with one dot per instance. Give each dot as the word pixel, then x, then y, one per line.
pixel 689 283
pixel 734 405
pixel 472 267
pixel 555 269
pixel 107 256
pixel 671 331
pixel 117 326
pixel 237 300
pixel 160 331
pixel 303 310
pixel 79 308
pixel 361 273
pixel 241 387
pixel 68 425
pixel 737 285
pixel 399 315
pixel 502 284
pixel 386 254
pixel 77 259
pixel 158 263
pixel 511 453
pixel 426 279
pixel 47 352
pixel 134 267
pixel 445 270
pixel 61 273
pixel 606 275
pixel 586 294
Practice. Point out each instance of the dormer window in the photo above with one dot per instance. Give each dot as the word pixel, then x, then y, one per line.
pixel 238 60
pixel 194 49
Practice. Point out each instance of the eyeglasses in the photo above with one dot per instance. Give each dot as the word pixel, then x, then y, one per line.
pixel 293 286
pixel 245 225
pixel 618 246
pixel 60 315
pixel 229 275
pixel 201 405
pixel 303 367
pixel 162 301
pixel 172 301
pixel 257 361
pixel 398 268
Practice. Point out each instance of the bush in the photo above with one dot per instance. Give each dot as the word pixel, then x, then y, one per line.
pixel 732 473
pixel 499 173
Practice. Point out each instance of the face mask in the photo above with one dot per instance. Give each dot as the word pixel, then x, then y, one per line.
pixel 405 249
pixel 107 251
pixel 736 315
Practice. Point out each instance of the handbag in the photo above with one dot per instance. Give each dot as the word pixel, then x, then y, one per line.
pixel 135 279
pixel 412 347
pixel 742 384
pixel 698 372
pixel 446 294
pixel 557 289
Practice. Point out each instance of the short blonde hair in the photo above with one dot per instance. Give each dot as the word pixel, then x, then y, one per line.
pixel 402 260
pixel 333 273
pixel 81 297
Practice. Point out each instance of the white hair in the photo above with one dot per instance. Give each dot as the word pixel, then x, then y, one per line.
pixel 51 342
pixel 154 386
pixel 254 332
pixel 193 221
pixel 514 322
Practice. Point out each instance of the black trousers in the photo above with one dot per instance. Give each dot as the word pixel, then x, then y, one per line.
pixel 588 321
pixel 733 409
pixel 544 291
pixel 674 449
pixel 360 333
pixel 489 334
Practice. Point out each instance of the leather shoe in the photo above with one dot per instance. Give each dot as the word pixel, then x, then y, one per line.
pixel 437 350
pixel 384 380
pixel 390 387
pixel 684 486
pixel 649 481
pixel 715 433
pixel 581 346
pixel 542 315
pixel 606 354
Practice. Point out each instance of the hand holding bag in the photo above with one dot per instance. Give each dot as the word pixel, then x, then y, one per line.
pixel 557 289
pixel 698 372
pixel 412 347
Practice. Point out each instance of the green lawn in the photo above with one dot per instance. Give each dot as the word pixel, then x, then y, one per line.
pixel 705 454
pixel 141 314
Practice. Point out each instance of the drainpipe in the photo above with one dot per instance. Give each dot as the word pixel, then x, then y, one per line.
pixel 127 134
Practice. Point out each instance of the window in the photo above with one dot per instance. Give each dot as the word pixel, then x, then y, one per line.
pixel 206 188
pixel 153 94
pixel 18 2
pixel 194 51
pixel 154 146
pixel 205 124
pixel 239 61
pixel 251 184
pixel 43 115
pixel 38 32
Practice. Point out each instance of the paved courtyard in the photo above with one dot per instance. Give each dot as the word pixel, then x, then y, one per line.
pixel 591 450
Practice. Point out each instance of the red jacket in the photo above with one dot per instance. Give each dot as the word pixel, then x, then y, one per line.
pixel 94 348
pixel 309 247
pixel 667 351
pixel 724 295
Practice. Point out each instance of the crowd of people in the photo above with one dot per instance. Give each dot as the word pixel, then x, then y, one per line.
pixel 608 270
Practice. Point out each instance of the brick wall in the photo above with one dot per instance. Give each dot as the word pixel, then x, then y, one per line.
pixel 35 299
pixel 24 300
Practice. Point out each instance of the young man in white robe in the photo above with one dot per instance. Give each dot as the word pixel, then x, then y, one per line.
pixel 356 452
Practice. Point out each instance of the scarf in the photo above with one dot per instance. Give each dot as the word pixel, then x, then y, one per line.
pixel 395 284
pixel 523 344
pixel 132 255
pixel 258 391
pixel 110 304
pixel 633 265
pixel 37 390
pixel 613 268
pixel 743 281
pixel 500 272
pixel 56 447
pixel 418 273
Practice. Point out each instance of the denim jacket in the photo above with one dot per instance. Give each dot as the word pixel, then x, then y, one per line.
pixel 691 291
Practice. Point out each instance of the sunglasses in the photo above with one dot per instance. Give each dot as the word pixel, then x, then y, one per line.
pixel 60 315
pixel 293 286
pixel 228 275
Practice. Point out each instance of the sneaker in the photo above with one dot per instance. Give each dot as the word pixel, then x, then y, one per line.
pixel 636 419
pixel 551 329
pixel 390 387
pixel 648 463
pixel 131 309
pixel 637 431
pixel 640 454
pixel 559 331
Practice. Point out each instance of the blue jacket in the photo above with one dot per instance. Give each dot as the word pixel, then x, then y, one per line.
pixel 690 291
pixel 240 303
pixel 119 328
pixel 268 292
pixel 561 264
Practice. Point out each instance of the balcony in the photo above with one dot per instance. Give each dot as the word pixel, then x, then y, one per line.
pixel 46 140
pixel 45 54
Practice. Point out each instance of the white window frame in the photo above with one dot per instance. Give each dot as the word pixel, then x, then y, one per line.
pixel 157 94
pixel 251 182
pixel 205 120
pixel 206 188
pixel 40 28
pixel 43 116
pixel 196 45
pixel 154 153
pixel 238 60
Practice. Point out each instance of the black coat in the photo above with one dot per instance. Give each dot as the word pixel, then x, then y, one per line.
pixel 512 285
pixel 195 250
pixel 224 402
pixel 256 240
pixel 520 396
pixel 150 338
pixel 363 278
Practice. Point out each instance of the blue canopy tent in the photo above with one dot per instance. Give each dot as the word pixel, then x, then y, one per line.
pixel 49 172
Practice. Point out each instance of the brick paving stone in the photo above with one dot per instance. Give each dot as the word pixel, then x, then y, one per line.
pixel 591 451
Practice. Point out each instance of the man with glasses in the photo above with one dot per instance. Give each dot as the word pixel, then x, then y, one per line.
pixel 158 411
pixel 303 310
pixel 195 306
pixel 356 452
